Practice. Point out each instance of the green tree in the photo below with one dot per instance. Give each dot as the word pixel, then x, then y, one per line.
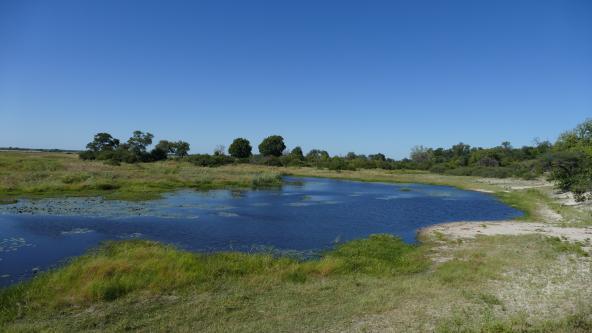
pixel 351 156
pixel 317 155
pixel 297 153
pixel 101 142
pixel 240 148
pixel 166 146
pixel 572 171
pixel 377 157
pixel 182 148
pixel 421 154
pixel 139 142
pixel 178 148
pixel 272 146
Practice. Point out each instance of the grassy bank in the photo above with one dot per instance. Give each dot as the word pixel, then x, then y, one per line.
pixel 42 175
pixel 490 284
pixel 367 284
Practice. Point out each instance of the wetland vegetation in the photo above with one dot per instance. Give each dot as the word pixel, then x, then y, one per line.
pixel 378 283
pixel 444 283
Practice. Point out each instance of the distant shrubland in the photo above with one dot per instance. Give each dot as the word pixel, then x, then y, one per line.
pixel 568 161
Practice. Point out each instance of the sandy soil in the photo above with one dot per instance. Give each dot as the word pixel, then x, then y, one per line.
pixel 515 184
pixel 467 230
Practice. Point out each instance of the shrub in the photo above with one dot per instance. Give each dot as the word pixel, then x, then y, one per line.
pixel 206 160
pixel 267 180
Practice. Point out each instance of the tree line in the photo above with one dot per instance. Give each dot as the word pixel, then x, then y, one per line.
pixel 105 147
pixel 568 161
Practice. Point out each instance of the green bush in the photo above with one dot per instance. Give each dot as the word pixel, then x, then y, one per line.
pixel 206 160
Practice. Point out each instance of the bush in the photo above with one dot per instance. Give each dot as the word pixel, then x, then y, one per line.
pixel 272 161
pixel 206 160
pixel 267 180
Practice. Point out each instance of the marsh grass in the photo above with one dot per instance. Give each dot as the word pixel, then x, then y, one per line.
pixel 41 175
pixel 375 284
pixel 143 285
pixel 119 268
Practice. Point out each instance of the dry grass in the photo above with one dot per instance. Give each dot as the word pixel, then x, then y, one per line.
pixel 361 287
pixel 39 175
pixel 524 283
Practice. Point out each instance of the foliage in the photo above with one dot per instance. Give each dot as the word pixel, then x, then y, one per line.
pixel 272 146
pixel 220 150
pixel 206 160
pixel 240 148
pixel 102 141
pixel 568 162
pixel 179 148
pixel 139 142
pixel 297 153
pixel 106 148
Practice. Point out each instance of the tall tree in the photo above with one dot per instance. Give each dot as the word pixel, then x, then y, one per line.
pixel 182 148
pixel 101 142
pixel 240 148
pixel 297 153
pixel 139 142
pixel 272 146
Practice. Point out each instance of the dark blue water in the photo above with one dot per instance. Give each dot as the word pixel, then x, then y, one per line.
pixel 306 215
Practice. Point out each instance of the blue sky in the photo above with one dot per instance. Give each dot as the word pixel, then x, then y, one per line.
pixel 363 76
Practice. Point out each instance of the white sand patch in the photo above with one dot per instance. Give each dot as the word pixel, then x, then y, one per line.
pixel 466 230
pixel 515 183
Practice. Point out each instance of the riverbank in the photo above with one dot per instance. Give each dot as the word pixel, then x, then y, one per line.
pixel 47 175
pixel 483 283
pixel 50 175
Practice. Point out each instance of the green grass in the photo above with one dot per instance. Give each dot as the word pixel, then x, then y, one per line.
pixel 149 286
pixel 117 269
pixel 374 284
pixel 488 323
pixel 42 175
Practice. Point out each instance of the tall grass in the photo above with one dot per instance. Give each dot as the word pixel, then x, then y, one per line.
pixel 120 268
pixel 134 282
pixel 51 174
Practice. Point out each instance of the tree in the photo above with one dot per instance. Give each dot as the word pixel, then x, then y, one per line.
pixel 297 153
pixel 182 148
pixel 240 148
pixel 421 154
pixel 272 146
pixel 316 155
pixel 178 148
pixel 139 141
pixel 351 156
pixel 572 171
pixel 166 146
pixel 584 131
pixel 157 154
pixel 101 142
pixel 377 157
pixel 219 150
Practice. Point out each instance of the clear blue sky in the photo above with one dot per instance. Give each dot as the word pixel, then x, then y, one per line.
pixel 364 76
